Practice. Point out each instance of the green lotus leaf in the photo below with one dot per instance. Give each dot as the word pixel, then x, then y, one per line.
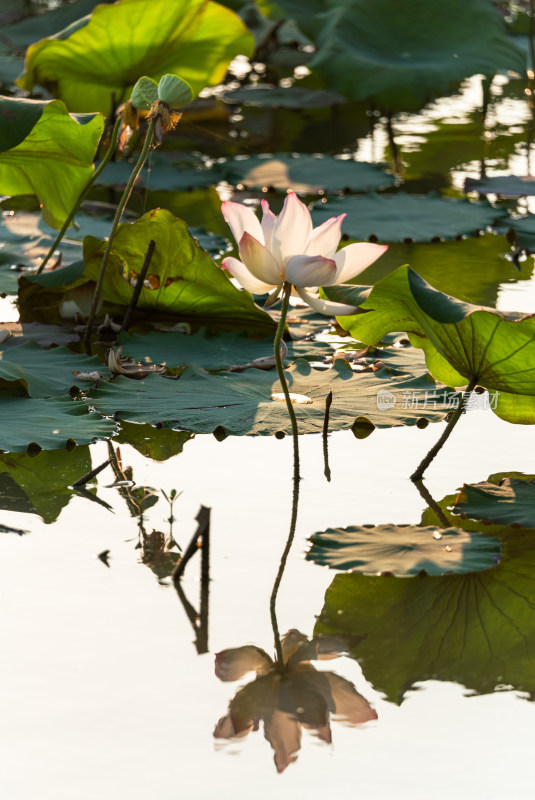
pixel 476 629
pixel 268 96
pixel 402 55
pixel 241 403
pixel 159 444
pixel 39 484
pixel 96 65
pixel 183 279
pixel 45 373
pixel 46 152
pixel 144 93
pixel 305 173
pixel 393 218
pixel 49 424
pixel 460 341
pixel 403 550
pixel 212 352
pixel 512 502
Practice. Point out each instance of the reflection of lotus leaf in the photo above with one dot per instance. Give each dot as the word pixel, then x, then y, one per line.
pixel 510 503
pixel 477 629
pixel 287 697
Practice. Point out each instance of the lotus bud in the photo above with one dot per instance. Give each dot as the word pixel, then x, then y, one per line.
pixel 144 93
pixel 174 91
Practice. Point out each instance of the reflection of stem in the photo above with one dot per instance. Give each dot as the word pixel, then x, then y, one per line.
pixel 452 422
pixel 118 214
pixel 200 540
pixel 431 502
pixel 83 194
pixel 396 163
pixel 327 469
pixel 295 499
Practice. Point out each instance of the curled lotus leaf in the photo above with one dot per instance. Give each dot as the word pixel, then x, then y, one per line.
pixel 461 341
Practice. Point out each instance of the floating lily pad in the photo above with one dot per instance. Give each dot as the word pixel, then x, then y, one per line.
pixel 503 185
pixel 160 173
pixel 394 218
pixel 47 152
pixel 460 341
pixel 45 373
pixel 403 550
pixel 182 279
pixel 241 403
pixel 49 424
pixel 401 55
pixel 305 173
pixel 39 484
pixel 98 62
pixel 512 502
pixel 211 352
pixel 476 629
pixel 269 96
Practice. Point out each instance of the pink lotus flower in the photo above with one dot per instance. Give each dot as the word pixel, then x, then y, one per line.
pixel 286 249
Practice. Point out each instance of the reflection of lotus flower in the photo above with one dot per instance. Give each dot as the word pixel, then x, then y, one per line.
pixel 287 698
pixel 285 248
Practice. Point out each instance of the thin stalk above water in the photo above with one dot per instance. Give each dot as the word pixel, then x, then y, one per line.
pixel 83 194
pixel 118 214
pixel 295 497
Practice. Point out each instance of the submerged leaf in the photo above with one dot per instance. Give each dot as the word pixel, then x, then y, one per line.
pixel 403 550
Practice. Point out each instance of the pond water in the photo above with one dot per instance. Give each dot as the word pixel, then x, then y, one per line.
pixel 107 678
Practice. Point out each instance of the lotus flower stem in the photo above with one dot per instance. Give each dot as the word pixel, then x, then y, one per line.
pixel 295 497
pixel 83 194
pixel 452 422
pixel 118 214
